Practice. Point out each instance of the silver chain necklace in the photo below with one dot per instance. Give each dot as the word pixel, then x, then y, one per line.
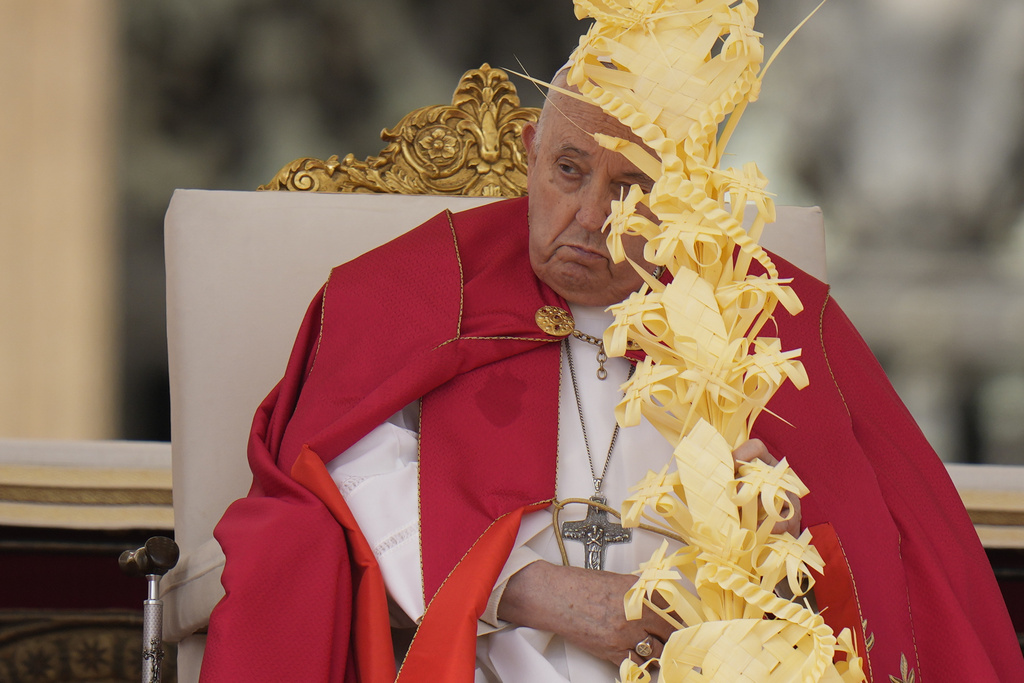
pixel 596 531
pixel 598 481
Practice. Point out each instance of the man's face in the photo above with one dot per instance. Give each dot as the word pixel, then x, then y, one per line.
pixel 572 182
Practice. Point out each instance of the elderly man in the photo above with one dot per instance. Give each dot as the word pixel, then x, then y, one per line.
pixel 422 389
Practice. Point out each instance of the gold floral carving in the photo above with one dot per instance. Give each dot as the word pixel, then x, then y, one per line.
pixel 471 147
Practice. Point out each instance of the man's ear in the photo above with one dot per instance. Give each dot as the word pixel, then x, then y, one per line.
pixel 529 137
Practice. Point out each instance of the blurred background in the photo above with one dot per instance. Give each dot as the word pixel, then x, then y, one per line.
pixel 903 119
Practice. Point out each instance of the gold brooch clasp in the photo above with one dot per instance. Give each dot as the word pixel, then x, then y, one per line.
pixel 554 321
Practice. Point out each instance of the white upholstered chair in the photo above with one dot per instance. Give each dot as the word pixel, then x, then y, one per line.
pixel 241 270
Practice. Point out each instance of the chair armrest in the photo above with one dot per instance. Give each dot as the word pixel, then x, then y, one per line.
pixel 191 590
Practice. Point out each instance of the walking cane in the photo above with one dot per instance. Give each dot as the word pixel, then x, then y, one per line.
pixel 152 560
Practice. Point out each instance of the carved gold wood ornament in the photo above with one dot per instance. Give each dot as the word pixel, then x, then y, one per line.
pixel 471 147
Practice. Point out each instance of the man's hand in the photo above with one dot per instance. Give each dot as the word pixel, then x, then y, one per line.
pixel 756 450
pixel 583 606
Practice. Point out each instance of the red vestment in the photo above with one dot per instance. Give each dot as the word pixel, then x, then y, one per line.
pixel 446 313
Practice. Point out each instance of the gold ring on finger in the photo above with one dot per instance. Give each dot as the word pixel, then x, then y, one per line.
pixel 643 648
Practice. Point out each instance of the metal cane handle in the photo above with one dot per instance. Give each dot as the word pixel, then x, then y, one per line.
pixel 157 556
pixel 152 560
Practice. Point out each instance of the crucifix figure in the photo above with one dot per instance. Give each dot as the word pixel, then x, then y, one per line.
pixel 595 533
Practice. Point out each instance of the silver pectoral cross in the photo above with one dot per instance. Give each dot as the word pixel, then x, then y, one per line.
pixel 595 533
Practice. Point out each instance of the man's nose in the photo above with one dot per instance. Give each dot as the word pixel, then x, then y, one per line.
pixel 595 205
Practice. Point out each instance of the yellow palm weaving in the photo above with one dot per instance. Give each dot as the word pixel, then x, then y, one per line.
pixel 679 73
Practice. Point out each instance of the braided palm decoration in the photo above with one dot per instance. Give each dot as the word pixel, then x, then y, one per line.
pixel 676 72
